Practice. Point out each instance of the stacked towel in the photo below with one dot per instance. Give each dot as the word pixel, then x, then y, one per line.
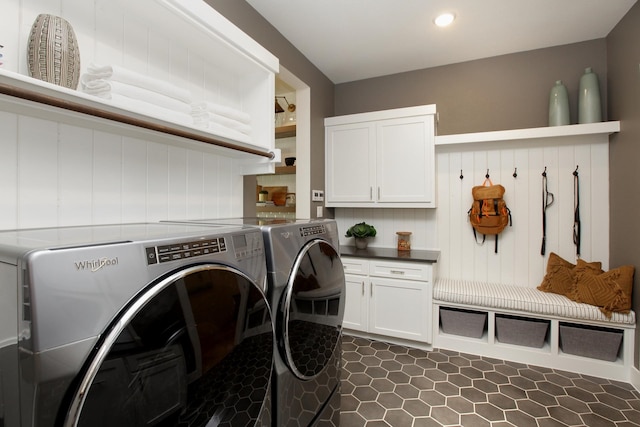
pixel 220 118
pixel 138 92
pixel 156 98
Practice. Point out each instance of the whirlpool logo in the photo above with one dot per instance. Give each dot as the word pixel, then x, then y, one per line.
pixel 96 264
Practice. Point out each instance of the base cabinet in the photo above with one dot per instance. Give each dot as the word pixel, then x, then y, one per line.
pixel 388 298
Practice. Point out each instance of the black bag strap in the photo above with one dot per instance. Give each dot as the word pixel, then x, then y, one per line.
pixel 547 200
pixel 576 211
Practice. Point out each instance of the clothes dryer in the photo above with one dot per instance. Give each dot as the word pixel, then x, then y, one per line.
pixel 137 324
pixel 307 295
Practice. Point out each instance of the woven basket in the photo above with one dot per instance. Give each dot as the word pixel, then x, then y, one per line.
pixel 53 54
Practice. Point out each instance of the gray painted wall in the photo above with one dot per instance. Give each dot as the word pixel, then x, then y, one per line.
pixel 623 51
pixel 499 93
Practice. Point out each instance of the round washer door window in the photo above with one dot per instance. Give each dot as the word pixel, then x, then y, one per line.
pixel 312 309
pixel 195 349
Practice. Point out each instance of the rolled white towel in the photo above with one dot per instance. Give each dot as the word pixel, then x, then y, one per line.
pixel 223 110
pixel 123 75
pixel 106 88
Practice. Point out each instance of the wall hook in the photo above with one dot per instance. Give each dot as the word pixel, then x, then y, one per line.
pixel 515 172
pixel 487 175
pixel 461 176
pixel 545 172
pixel 575 172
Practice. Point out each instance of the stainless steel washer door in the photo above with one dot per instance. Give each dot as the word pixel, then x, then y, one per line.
pixel 312 308
pixel 194 349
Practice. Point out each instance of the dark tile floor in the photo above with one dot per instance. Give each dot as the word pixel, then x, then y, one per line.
pixel 391 385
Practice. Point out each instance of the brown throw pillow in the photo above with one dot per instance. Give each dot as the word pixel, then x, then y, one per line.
pixel 611 291
pixel 560 277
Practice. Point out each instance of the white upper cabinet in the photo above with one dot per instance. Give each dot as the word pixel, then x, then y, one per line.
pixel 383 159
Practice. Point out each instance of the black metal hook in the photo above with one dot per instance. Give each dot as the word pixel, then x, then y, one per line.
pixel 487 175
pixel 545 172
pixel 461 176
pixel 575 172
pixel 515 172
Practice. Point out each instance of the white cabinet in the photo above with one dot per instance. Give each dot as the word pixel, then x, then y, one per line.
pixel 384 159
pixel 389 298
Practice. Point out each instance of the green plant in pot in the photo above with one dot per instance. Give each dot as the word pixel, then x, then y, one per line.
pixel 361 232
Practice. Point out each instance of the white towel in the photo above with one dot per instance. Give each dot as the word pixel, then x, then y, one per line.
pixel 106 88
pixel 123 75
pixel 151 110
pixel 230 123
pixel 223 110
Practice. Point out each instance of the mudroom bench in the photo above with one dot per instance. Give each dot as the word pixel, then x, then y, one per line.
pixel 523 324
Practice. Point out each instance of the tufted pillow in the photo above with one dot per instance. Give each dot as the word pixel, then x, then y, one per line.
pixel 561 274
pixel 611 291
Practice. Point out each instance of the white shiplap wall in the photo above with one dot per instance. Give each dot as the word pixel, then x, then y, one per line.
pixel 518 260
pixel 56 174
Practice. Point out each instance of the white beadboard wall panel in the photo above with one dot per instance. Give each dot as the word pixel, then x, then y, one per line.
pixel 8 170
pixel 177 187
pixel 195 185
pixel 518 261
pixel 75 184
pixel 37 172
pixel 157 181
pixel 108 175
pixel 136 180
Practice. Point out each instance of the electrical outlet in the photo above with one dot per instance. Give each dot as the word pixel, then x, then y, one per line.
pixel 317 196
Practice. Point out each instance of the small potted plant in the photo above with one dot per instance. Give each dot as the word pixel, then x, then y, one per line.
pixel 361 231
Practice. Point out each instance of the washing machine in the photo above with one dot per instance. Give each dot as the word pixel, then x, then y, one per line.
pixel 307 296
pixel 135 325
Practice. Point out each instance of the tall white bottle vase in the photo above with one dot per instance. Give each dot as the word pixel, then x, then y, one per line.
pixel 559 105
pixel 589 108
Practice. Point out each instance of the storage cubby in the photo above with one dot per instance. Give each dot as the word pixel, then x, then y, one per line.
pixel 590 341
pixel 525 331
pixel 467 323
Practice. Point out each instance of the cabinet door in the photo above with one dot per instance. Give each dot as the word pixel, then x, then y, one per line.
pixel 350 163
pixel 356 309
pixel 400 308
pixel 405 168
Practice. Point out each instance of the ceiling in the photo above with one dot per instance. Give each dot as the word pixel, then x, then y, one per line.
pixel 352 40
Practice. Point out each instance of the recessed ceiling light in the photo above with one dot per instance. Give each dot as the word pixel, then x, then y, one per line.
pixel 444 19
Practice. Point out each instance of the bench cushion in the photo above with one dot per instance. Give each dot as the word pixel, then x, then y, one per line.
pixel 519 298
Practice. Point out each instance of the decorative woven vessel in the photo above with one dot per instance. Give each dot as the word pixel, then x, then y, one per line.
pixel 53 54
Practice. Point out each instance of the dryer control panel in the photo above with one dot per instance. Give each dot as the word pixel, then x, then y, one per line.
pixel 183 250
pixel 312 230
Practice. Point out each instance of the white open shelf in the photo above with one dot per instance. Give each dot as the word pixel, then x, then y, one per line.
pixel 601 128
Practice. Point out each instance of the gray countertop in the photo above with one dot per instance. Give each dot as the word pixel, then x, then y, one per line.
pixel 415 255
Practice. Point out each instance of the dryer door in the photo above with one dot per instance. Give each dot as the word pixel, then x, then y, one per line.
pixel 194 349
pixel 312 308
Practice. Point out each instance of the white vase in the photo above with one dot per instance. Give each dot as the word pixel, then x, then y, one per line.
pixel 53 54
pixel 558 105
pixel 589 109
pixel 362 242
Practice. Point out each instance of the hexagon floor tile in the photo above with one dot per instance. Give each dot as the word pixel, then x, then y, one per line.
pixel 390 385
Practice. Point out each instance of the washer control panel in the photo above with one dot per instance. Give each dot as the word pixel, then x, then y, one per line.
pixel 312 230
pixel 183 250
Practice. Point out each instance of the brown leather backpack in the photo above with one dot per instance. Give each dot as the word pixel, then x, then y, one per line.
pixel 489 214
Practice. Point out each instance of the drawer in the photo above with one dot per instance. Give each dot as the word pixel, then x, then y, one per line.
pixel 401 270
pixel 355 265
